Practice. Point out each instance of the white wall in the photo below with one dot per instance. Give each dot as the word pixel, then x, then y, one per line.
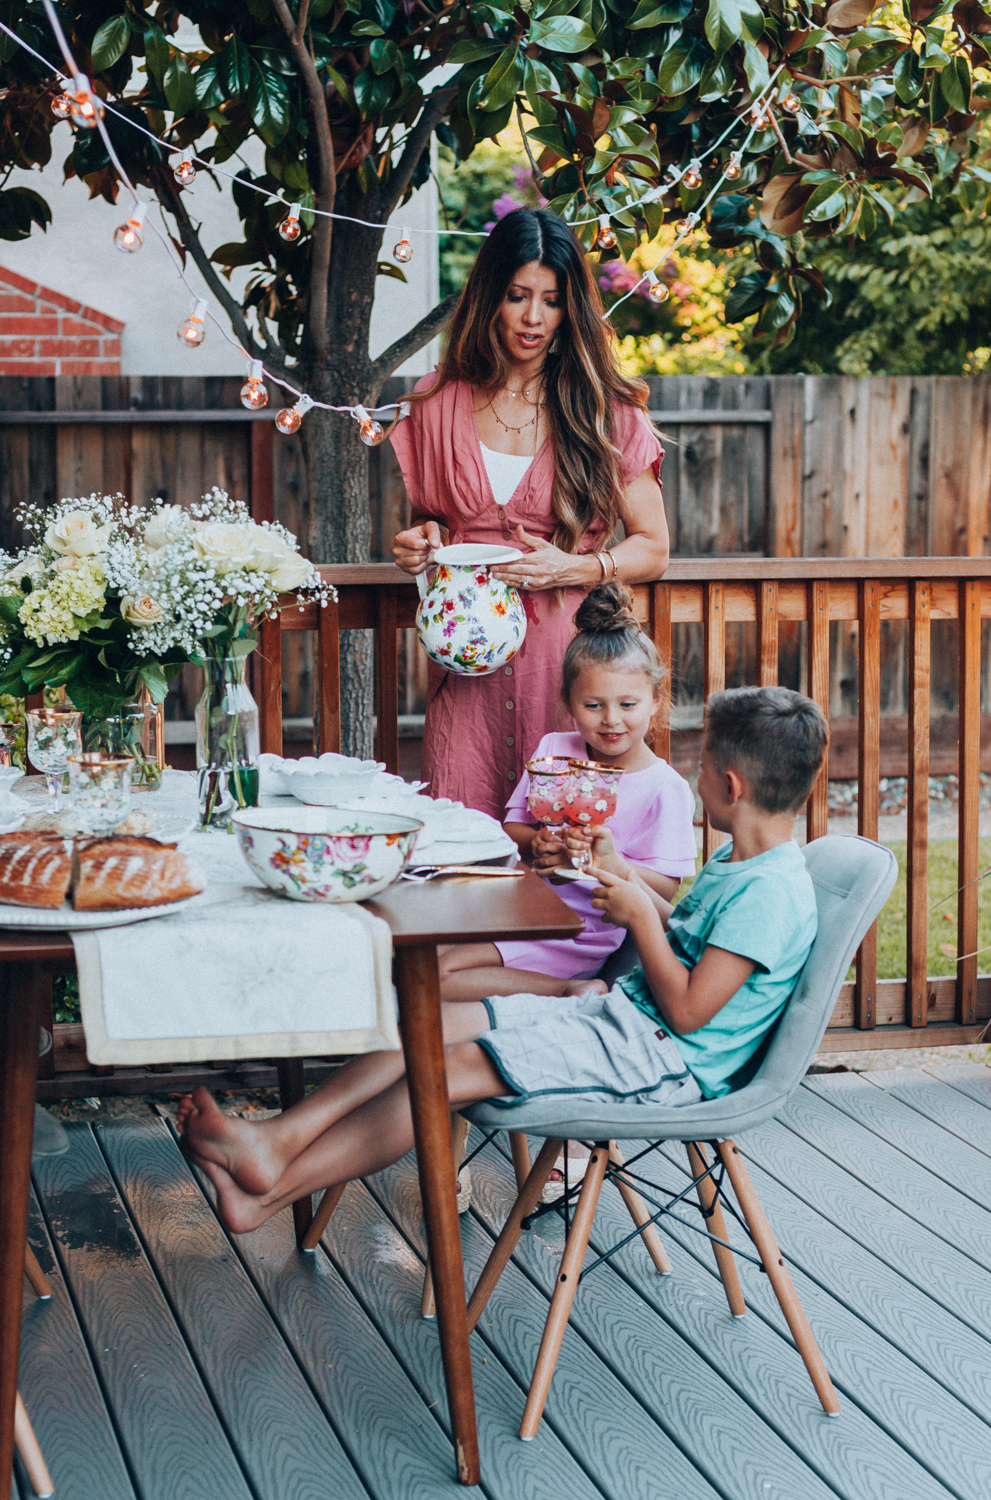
pixel 77 258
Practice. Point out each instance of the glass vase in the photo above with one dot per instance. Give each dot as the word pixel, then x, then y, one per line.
pixel 227 741
pixel 132 730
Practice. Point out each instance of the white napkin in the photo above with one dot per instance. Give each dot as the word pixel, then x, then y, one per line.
pixel 451 832
pixel 240 972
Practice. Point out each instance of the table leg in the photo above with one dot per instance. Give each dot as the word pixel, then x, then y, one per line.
pixel 418 987
pixel 292 1088
pixel 20 1020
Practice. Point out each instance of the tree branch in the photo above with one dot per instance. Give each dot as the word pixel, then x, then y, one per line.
pixel 538 175
pixel 404 348
pixel 316 312
pixel 418 139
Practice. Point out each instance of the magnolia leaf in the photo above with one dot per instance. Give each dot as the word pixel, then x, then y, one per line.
pixel 268 101
pixel 158 53
pixel 20 208
pixel 472 49
pixel 386 268
pixel 748 296
pixel 908 76
pixel 562 34
pixel 848 15
pixel 180 86
pixel 502 80
pixel 783 203
pixel 234 67
pixel 110 43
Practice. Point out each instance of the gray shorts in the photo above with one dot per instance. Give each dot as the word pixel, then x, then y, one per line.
pixel 601 1046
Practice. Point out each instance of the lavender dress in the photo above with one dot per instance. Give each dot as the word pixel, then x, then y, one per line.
pixel 652 826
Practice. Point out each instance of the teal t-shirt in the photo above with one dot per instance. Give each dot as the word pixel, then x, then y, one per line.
pixel 763 909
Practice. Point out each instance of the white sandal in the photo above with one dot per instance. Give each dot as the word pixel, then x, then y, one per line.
pixel 464 1190
pixel 577 1167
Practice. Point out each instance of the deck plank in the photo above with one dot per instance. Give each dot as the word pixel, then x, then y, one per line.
pixel 378 1264
pixel 609 1433
pixel 61 1391
pixel 175 1445
pixel 971 1079
pixel 653 1368
pixel 937 1100
pixel 890 1174
pixel 274 1421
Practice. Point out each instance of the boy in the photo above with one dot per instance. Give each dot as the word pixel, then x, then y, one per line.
pixel 678 1029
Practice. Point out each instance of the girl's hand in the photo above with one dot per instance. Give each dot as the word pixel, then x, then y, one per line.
pixel 412 548
pixel 546 566
pixel 598 842
pixel 622 901
pixel 547 852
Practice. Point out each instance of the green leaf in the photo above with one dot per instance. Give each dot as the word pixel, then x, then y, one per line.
pixel 956 83
pixel 110 43
pixel 681 67
pixel 825 207
pixel 20 207
pixel 234 67
pixel 158 53
pixel 755 67
pixel 385 56
pixel 649 14
pixel 472 49
pixel 181 89
pixel 726 21
pixel 748 296
pixel 562 34
pixel 502 80
pixel 366 28
pixel 386 268
pixel 908 76
pixel 845 132
pixel 209 89
pixel 268 101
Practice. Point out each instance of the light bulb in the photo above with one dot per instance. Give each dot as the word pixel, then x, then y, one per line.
pixel 732 168
pixel 605 239
pixel 792 103
pixel 403 251
pixel 290 418
pixel 693 176
pixel 193 330
pixel 758 117
pixel 184 172
pixel 85 107
pixel 289 228
pixel 370 431
pixel 129 236
pixel 62 103
pixel 685 226
pixel 253 393
pixel 657 290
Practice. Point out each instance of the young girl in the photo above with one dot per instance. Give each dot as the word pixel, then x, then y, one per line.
pixel 610 682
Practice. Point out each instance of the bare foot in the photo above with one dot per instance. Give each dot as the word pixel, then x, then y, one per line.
pixel 243 1150
pixel 239 1211
pixel 586 987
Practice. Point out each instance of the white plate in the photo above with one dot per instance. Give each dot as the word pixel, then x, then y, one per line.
pixel 66 919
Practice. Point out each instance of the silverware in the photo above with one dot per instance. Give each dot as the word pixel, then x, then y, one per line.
pixel 421 873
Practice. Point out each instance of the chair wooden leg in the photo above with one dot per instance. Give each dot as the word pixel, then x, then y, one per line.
pixel 459 1137
pixel 521 1157
pixel 31 1454
pixel 564 1292
pixel 640 1216
pixel 322 1217
pixel 512 1229
pixel 36 1276
pixel 725 1262
pixel 777 1275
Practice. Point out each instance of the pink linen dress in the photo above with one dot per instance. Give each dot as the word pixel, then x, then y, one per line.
pixel 652 826
pixel 478 728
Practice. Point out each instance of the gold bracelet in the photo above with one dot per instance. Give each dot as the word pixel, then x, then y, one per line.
pixel 615 568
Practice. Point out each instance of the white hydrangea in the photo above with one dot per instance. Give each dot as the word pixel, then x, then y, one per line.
pixel 56 608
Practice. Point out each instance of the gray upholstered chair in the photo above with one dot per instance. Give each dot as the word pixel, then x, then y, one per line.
pixel 853 877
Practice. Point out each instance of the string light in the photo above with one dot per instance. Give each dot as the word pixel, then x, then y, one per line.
pixel 193 330
pixel 290 418
pixel 657 290
pixel 732 169
pixel 370 431
pixel 692 178
pixel 129 236
pixel 759 116
pixel 403 251
pixel 184 172
pixel 289 228
pixel 62 103
pixel 792 103
pixel 253 393
pixel 605 239
pixel 85 107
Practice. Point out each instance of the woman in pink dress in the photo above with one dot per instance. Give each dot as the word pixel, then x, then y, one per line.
pixel 527 435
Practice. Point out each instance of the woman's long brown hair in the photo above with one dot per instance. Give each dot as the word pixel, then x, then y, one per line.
pixel 581 378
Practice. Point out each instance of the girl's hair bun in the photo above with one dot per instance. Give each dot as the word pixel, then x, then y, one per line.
pixel 605 609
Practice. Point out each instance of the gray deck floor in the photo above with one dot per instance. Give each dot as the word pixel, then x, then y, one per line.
pixel 174 1363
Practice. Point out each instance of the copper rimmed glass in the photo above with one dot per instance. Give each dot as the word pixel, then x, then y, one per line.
pixel 100 789
pixel 550 777
pixel 590 800
pixel 53 735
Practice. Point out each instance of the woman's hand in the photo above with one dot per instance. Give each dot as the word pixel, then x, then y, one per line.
pixel 412 548
pixel 546 566
pixel 599 843
pixel 547 852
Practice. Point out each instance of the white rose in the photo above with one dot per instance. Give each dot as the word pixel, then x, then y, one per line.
pixel 140 609
pixel 65 563
pixel 78 533
pixel 28 567
pixel 227 547
pixel 291 574
pixel 165 525
pixel 271 548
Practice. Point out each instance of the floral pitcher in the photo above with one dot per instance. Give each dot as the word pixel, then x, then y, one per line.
pixel 468 621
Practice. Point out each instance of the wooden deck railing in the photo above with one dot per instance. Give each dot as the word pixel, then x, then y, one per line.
pixel 913 1011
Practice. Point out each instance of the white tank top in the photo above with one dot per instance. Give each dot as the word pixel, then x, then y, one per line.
pixel 505 471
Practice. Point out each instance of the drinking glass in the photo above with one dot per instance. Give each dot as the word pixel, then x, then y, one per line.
pixel 53 735
pixel 8 741
pixel 550 777
pixel 590 799
pixel 100 789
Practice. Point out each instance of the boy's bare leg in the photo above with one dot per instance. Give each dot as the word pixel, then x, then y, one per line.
pixel 470 971
pixel 256 1155
pixel 369 1138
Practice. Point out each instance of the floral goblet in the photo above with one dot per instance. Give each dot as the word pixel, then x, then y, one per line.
pixel 100 789
pixel 550 777
pixel 53 735
pixel 590 799
pixel 8 742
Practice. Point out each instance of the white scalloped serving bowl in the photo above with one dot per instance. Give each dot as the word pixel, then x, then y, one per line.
pixel 324 853
pixel 327 780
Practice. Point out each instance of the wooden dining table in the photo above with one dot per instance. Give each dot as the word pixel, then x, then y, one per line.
pixel 464 909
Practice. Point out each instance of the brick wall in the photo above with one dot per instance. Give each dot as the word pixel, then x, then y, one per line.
pixel 44 333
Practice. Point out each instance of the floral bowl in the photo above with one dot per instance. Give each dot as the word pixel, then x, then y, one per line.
pixel 324 854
